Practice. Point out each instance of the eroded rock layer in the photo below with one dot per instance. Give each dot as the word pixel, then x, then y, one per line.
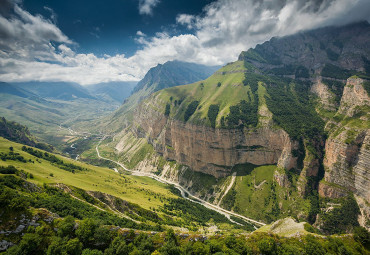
pixel 213 151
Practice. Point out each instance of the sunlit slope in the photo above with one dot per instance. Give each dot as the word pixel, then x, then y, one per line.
pixel 139 190
pixel 224 88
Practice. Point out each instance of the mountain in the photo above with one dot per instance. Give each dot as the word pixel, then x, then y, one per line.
pixel 6 88
pixel 116 91
pixel 56 205
pixel 171 73
pixel 55 90
pixel 331 51
pixel 286 124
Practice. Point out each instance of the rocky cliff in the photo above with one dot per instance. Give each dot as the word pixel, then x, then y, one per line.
pixel 308 52
pixel 261 110
pixel 347 157
pixel 209 150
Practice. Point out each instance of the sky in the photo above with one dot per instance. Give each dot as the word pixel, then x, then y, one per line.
pixel 95 41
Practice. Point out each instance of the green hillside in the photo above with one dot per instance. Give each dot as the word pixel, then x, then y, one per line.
pixel 105 188
pixel 92 178
pixel 224 88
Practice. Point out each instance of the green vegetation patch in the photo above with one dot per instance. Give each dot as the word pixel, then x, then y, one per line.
pixel 191 108
pixel 212 114
pixel 366 85
pixel 341 219
pixel 336 72
pixel 244 114
pixel 256 194
pixel 191 211
pixel 70 167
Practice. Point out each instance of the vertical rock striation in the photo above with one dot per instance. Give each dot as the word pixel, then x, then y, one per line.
pixel 347 157
pixel 213 151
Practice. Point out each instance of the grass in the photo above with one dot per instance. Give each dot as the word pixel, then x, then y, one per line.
pixel 135 189
pixel 258 196
pixel 207 92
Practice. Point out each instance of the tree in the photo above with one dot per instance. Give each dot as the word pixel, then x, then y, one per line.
pixel 30 244
pixel 312 246
pixel 91 252
pixel 66 227
pixel 73 247
pixel 190 110
pixel 102 237
pixel 267 246
pixel 362 236
pixel 86 231
pixel 56 246
pixel 212 114
pixel 167 110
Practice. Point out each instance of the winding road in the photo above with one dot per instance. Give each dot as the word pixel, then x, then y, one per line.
pixel 185 193
pixel 228 188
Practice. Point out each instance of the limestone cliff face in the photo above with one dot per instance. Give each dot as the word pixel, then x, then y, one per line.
pixel 347 157
pixel 354 95
pixel 323 92
pixel 213 151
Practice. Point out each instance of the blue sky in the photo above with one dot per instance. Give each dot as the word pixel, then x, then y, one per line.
pixel 110 26
pixel 94 41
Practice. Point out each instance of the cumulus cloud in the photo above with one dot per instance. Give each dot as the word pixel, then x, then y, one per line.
pixel 141 34
pixel 229 26
pixel 186 19
pixel 146 6
pixel 34 48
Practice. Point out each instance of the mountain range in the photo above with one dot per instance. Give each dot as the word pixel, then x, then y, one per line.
pixel 283 119
pixel 276 143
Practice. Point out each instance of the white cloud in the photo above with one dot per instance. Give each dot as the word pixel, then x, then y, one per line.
pixel 53 15
pixel 146 6
pixel 34 48
pixel 186 19
pixel 139 33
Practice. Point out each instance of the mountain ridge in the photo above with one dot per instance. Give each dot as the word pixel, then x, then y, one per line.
pixel 181 124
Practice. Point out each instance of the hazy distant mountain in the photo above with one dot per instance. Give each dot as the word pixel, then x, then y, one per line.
pixel 55 90
pixel 6 88
pixel 117 91
pixel 174 73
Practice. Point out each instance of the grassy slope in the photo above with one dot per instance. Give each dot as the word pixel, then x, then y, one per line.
pixel 267 201
pixel 139 190
pixel 207 92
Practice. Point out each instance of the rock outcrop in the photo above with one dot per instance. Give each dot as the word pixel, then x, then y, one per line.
pixel 323 92
pixel 209 150
pixel 347 157
pixel 354 95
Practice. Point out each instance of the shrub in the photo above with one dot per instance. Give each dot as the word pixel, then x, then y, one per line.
pixel 167 110
pixel 362 236
pixel 190 110
pixel 212 114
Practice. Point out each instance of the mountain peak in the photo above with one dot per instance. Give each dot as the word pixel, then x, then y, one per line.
pixel 343 46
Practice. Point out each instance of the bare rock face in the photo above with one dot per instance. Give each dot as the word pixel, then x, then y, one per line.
pixel 347 150
pixel 281 178
pixel 323 92
pixel 354 95
pixel 213 151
